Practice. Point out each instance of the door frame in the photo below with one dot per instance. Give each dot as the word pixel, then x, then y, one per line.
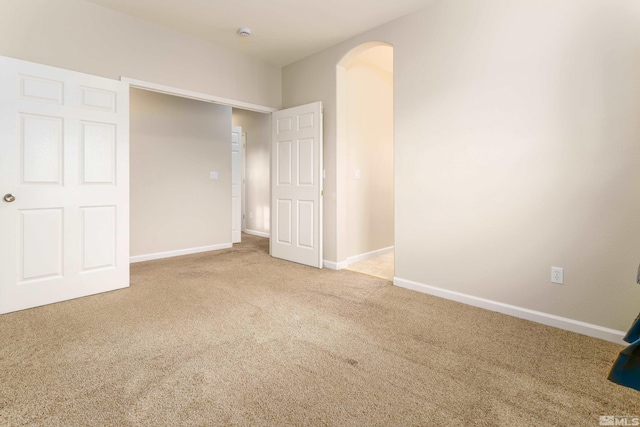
pixel 243 177
pixel 237 239
pixel 197 96
pixel 342 174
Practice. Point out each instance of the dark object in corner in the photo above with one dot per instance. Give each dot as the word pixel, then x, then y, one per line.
pixel 626 369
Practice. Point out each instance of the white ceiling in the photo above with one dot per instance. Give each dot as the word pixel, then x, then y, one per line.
pixel 283 31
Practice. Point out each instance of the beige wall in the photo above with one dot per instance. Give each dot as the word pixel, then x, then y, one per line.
pixel 369 140
pixel 175 144
pixel 516 147
pixel 81 36
pixel 257 127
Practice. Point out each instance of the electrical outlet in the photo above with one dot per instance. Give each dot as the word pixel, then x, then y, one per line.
pixel 250 215
pixel 557 275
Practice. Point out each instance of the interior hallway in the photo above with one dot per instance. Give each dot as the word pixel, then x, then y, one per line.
pixel 381 266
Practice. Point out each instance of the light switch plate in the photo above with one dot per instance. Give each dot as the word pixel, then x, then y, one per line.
pixel 213 175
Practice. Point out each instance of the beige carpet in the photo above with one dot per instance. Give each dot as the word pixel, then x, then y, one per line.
pixel 381 266
pixel 236 338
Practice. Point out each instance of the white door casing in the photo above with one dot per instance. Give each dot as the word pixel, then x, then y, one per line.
pixel 243 177
pixel 296 184
pixel 236 184
pixel 64 139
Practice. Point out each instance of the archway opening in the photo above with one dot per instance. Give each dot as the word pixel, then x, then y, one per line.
pixel 365 163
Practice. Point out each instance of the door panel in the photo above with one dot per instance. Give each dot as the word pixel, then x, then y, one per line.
pixel 98 99
pixel 65 147
pixel 41 243
pixel 39 89
pixel 98 159
pixel 296 187
pixel 283 166
pixel 306 220
pixel 283 229
pixel 98 237
pixel 306 162
pixel 41 148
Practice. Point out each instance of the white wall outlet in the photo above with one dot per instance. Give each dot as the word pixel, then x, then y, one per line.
pixel 250 215
pixel 357 174
pixel 557 275
pixel 213 175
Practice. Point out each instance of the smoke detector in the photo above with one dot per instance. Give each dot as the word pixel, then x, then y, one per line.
pixel 244 32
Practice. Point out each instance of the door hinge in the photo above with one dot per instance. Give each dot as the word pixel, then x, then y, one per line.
pixel 321 193
pixel 242 216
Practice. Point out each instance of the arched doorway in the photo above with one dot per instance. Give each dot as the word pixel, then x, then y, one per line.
pixel 365 226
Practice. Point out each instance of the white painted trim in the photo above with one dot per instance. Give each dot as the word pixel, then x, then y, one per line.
pixel 520 312
pixel 335 265
pixel 179 252
pixel 362 257
pixel 140 84
pixel 257 233
pixel 356 258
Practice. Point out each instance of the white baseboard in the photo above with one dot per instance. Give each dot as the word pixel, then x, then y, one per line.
pixel 179 252
pixel 362 257
pixel 257 233
pixel 512 310
pixel 335 265
pixel 356 258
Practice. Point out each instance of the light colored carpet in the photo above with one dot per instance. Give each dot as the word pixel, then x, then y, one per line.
pixel 381 266
pixel 235 337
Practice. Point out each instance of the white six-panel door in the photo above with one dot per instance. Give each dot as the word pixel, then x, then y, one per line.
pixel 296 184
pixel 64 184
pixel 236 184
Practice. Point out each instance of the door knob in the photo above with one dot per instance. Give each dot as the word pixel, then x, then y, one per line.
pixel 9 198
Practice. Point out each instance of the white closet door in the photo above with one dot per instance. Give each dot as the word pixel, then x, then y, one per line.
pixel 64 184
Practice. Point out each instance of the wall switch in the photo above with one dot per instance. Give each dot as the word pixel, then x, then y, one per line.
pixel 213 175
pixel 557 275
pixel 250 215
pixel 357 174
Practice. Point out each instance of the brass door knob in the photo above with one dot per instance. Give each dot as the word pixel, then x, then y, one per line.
pixel 9 198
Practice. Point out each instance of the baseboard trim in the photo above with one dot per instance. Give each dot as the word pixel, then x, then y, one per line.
pixel 365 256
pixel 332 265
pixel 520 312
pixel 335 265
pixel 179 252
pixel 257 233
